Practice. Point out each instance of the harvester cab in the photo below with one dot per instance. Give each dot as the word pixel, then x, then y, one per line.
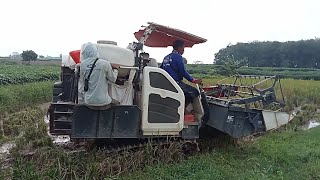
pixel 152 105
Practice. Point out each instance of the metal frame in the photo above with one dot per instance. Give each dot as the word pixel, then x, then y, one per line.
pixel 148 30
pixel 234 115
pixel 265 96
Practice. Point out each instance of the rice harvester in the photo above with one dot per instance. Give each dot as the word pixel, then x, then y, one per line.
pixel 151 104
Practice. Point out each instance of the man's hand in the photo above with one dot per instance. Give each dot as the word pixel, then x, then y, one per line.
pixel 115 66
pixel 197 81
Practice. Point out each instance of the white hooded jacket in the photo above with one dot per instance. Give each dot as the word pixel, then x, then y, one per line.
pixel 97 94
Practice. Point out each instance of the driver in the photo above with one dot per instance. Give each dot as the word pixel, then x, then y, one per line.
pixel 173 64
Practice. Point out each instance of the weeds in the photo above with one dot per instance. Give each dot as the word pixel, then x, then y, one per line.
pixel 16 97
pixel 282 155
pixel 96 164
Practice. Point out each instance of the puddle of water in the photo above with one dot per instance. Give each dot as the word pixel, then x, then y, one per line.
pixel 5 148
pixel 46 119
pixel 4 153
pixel 313 124
pixel 59 140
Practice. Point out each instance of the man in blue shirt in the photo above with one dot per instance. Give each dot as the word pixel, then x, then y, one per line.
pixel 173 65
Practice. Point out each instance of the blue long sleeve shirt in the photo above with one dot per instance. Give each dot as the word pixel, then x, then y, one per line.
pixel 173 65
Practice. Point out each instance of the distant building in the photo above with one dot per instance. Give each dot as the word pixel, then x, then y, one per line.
pixel 41 57
pixel 53 58
pixel 197 62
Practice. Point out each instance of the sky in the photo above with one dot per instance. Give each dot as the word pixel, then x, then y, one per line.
pixel 58 26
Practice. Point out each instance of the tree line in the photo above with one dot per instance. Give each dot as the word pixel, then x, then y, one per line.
pixel 291 54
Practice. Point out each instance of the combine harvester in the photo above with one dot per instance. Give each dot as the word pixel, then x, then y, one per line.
pixel 152 105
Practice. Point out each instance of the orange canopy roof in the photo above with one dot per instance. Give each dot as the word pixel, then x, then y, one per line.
pixel 163 36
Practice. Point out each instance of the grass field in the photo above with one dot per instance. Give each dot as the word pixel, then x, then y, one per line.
pixel 20 74
pixel 208 70
pixel 16 97
pixel 289 153
pixel 37 62
pixel 281 155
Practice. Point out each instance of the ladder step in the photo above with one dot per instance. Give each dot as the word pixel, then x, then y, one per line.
pixel 63 112
pixel 64 103
pixel 61 131
pixel 66 121
pixel 191 123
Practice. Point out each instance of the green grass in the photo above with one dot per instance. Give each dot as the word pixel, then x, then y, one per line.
pixel 20 74
pixel 16 97
pixel 281 155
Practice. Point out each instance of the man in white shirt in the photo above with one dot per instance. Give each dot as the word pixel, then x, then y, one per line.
pixel 96 95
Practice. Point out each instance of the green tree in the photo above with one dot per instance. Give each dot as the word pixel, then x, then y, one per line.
pixel 294 54
pixel 29 55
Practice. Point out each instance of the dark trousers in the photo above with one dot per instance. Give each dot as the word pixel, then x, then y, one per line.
pixel 189 92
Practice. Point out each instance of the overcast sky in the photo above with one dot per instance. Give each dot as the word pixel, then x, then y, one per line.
pixel 59 26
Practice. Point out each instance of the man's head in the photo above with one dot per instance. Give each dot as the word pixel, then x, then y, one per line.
pixel 178 45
